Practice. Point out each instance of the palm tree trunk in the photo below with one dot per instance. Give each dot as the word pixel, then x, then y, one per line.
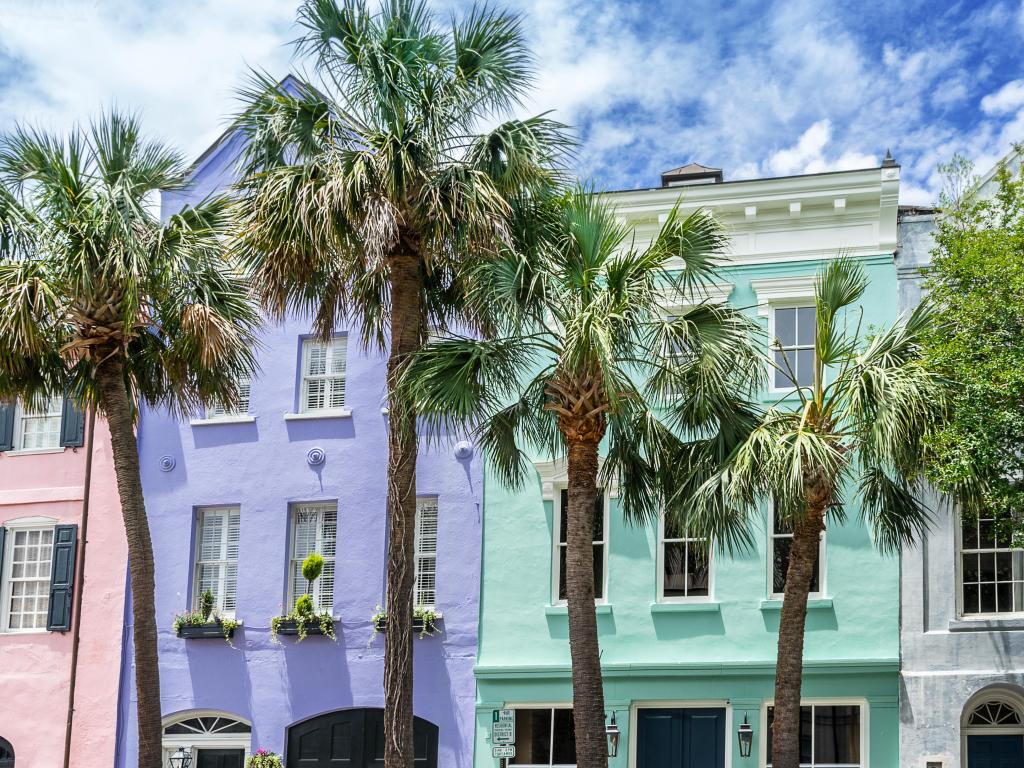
pixel 789 665
pixel 114 402
pixel 406 310
pixel 587 688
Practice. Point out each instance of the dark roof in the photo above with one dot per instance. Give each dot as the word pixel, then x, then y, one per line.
pixel 692 169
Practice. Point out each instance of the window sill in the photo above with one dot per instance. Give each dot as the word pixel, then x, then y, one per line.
pixel 35 451
pixel 222 420
pixel 23 632
pixel 988 624
pixel 813 604
pixel 334 413
pixel 707 606
pixel 602 609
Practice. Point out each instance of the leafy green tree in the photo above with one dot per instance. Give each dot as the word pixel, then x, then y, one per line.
pixel 583 357
pixel 865 424
pixel 365 198
pixel 976 283
pixel 100 299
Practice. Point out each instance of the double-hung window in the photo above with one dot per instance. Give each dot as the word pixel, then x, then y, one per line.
pixel 685 564
pixel 37 425
pixel 793 331
pixel 26 578
pixel 830 736
pixel 545 737
pixel 425 594
pixel 600 548
pixel 780 542
pixel 991 569
pixel 323 375
pixel 216 571
pixel 314 529
pixel 221 411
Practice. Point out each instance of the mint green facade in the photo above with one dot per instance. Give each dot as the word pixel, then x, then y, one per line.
pixel 720 651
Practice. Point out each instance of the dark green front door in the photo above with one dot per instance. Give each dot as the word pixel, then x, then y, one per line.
pixel 353 738
pixel 680 738
pixel 995 751
pixel 220 758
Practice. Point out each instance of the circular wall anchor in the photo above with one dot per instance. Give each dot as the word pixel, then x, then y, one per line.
pixel 464 450
pixel 167 463
pixel 316 456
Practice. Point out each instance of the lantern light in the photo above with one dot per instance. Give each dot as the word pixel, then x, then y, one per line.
pixel 612 732
pixel 182 758
pixel 746 737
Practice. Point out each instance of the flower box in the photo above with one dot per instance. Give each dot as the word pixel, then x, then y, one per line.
pixel 291 627
pixel 214 631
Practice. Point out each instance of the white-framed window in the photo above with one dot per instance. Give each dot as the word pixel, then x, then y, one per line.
pixel 545 738
pixel 684 565
pixel 26 576
pixel 220 411
pixel 314 529
pixel 37 424
pixel 991 569
pixel 833 734
pixel 201 730
pixel 425 594
pixel 323 375
pixel 217 539
pixel 600 545
pixel 780 540
pixel 792 332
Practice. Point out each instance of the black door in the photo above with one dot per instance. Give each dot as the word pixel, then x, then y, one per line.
pixel 353 738
pixel 680 738
pixel 220 758
pixel 995 751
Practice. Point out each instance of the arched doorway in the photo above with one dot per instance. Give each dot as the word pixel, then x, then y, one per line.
pixel 215 739
pixel 993 730
pixel 353 738
pixel 6 754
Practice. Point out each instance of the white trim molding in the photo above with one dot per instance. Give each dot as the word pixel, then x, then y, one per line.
pixel 555 473
pixel 670 299
pixel 779 290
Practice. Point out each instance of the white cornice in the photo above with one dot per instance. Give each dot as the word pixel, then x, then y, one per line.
pixel 716 293
pixel 775 290
pixel 556 473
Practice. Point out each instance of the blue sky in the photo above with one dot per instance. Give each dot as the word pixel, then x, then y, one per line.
pixel 757 88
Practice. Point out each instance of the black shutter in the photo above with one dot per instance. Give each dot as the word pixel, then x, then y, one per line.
pixel 72 425
pixel 3 540
pixel 62 577
pixel 6 426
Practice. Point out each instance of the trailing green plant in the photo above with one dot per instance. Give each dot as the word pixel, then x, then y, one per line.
pixel 263 758
pixel 206 602
pixel 198 619
pixel 427 618
pixel 303 620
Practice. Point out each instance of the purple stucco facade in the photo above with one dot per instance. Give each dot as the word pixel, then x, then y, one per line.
pixel 261 467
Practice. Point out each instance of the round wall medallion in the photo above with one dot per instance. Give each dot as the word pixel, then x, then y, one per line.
pixel 464 450
pixel 167 463
pixel 316 456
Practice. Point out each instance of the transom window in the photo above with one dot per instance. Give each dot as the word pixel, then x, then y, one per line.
pixel 545 737
pixel 207 724
pixel 830 735
pixel 991 569
pixel 780 543
pixel 599 542
pixel 314 529
pixel 212 738
pixel 220 411
pixel 994 713
pixel 685 563
pixel 217 558
pixel 323 374
pixel 27 577
pixel 37 424
pixel 426 552
pixel 794 330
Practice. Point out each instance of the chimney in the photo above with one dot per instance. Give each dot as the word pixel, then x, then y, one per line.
pixel 691 174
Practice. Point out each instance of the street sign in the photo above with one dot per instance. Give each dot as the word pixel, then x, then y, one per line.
pixel 506 750
pixel 503 727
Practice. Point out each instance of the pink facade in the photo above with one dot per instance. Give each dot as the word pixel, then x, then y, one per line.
pixel 39 490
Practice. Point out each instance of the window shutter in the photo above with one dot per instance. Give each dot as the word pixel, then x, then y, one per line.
pixel 62 577
pixel 6 426
pixel 3 548
pixel 72 425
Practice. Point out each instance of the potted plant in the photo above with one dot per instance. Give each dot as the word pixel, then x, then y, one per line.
pixel 424 621
pixel 263 758
pixel 204 623
pixel 303 619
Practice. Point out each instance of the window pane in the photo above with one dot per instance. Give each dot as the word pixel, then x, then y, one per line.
pixel 970 598
pixel 698 570
pixel 837 734
pixel 674 584
pixel 561 574
pixel 970 568
pixel 986 534
pixel 30 579
pixel 805 734
pixel 564 740
pixel 785 326
pixel 598 571
pixel 970 534
pixel 988 598
pixel 805 367
pixel 563 517
pixel 805 326
pixel 782 373
pixel 780 564
pixel 533 737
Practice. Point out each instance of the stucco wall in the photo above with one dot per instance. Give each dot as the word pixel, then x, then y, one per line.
pixel 35 667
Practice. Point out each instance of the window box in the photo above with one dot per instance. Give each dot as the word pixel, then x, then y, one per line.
pixel 424 622
pixel 314 626
pixel 219 630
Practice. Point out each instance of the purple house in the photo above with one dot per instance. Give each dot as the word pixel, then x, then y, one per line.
pixel 236 501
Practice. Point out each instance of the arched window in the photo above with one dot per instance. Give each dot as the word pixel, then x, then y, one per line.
pixel 223 738
pixel 6 754
pixel 993 728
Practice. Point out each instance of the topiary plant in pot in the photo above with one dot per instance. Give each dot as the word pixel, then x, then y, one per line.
pixel 304 619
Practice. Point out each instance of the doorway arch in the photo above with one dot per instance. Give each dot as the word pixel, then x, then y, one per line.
pixel 992 728
pixel 353 738
pixel 215 739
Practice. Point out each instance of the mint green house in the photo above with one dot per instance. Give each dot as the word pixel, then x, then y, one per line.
pixel 688 646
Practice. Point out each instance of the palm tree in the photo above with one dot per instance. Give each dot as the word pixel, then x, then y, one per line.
pixel 864 424
pixel 100 299
pixel 365 197
pixel 585 357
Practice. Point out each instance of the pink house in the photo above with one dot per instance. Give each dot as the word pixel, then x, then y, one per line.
pixel 43 505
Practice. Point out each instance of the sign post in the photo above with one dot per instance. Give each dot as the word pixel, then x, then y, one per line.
pixel 503 735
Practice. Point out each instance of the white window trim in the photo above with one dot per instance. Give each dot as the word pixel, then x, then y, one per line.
pixel 959 571
pixel 417 555
pixel 822 560
pixel 196 741
pixel 541 705
pixel 781 293
pixel 660 572
pixel 556 517
pixel 981 697
pixel 865 725
pixel 293 507
pixel 306 344
pixel 19 430
pixel 22 523
pixel 634 719
pixel 200 513
pixel 673 302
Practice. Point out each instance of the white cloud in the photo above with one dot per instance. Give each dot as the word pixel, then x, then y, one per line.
pixel 806 152
pixel 1007 99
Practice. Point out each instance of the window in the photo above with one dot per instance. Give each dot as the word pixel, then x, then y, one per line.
pixel 780 541
pixel 323 375
pixel 685 564
pixel 830 735
pixel 599 543
pixel 206 734
pixel 425 594
pixel 991 569
pixel 544 737
pixel 314 529
pixel 220 411
pixel 27 578
pixel 217 558
pixel 793 343
pixel 37 425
